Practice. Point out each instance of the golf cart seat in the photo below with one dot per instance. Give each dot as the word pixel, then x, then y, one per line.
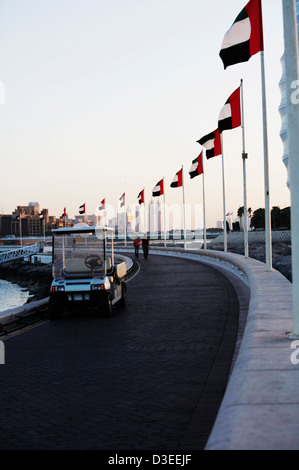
pixel 76 267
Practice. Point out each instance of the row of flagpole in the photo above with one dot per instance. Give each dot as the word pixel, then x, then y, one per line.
pixel 214 142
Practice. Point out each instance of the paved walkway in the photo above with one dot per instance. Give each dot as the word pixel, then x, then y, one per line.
pixel 151 377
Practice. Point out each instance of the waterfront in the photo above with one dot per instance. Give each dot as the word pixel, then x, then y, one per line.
pixel 12 295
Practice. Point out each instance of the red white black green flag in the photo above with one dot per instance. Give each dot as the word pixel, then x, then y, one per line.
pixel 122 200
pixel 82 209
pixel 140 197
pixel 230 114
pixel 245 36
pixel 212 143
pixel 196 167
pixel 178 179
pixel 158 189
pixel 102 205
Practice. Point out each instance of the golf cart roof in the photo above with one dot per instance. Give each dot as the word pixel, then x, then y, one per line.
pixel 81 228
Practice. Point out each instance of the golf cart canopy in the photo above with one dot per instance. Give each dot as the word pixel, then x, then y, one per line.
pixel 82 252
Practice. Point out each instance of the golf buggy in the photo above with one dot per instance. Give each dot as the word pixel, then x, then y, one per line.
pixel 85 271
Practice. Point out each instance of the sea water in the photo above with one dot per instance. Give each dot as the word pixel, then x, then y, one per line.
pixel 12 295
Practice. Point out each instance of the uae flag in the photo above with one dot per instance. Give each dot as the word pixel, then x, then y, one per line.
pixel 196 167
pixel 64 213
pixel 212 143
pixel 18 217
pixel 82 209
pixel 122 200
pixel 140 197
pixel 230 114
pixel 245 36
pixel 41 215
pixel 102 205
pixel 178 179
pixel 158 189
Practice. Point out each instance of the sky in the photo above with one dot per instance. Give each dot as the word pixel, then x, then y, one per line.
pixel 103 97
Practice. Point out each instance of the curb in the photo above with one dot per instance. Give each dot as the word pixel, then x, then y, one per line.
pixel 260 407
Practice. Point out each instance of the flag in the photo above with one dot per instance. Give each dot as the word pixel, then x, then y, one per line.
pixel 230 114
pixel 64 213
pixel 158 189
pixel 122 200
pixel 212 143
pixel 196 167
pixel 178 179
pixel 82 209
pixel 41 215
pixel 102 205
pixel 18 217
pixel 140 197
pixel 245 36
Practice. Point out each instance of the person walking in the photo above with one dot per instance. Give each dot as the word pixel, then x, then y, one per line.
pixel 137 243
pixel 145 247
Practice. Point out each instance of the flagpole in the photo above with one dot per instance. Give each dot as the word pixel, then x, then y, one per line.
pixel 20 229
pixel 204 205
pixel 291 77
pixel 125 205
pixel 223 191
pixel 268 245
pixel 164 212
pixel 184 215
pixel 244 157
pixel 144 213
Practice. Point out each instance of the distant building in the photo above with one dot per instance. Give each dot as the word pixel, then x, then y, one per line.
pixel 6 224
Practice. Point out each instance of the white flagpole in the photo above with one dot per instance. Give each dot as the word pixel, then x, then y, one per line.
pixel 204 205
pixel 144 212
pixel 125 205
pixel 291 77
pixel 105 212
pixel 223 191
pixel 164 212
pixel 244 157
pixel 20 229
pixel 268 238
pixel 184 215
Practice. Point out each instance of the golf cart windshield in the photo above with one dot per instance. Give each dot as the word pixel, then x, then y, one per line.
pixel 80 254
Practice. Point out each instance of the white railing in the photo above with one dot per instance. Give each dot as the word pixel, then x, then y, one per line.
pixel 19 253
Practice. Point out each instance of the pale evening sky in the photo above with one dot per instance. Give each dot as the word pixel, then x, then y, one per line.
pixel 105 97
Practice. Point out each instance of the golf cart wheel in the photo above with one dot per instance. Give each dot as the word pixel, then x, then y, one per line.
pixel 56 307
pixel 106 305
pixel 122 301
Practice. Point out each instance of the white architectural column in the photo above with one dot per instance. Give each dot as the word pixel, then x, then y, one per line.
pixel 292 84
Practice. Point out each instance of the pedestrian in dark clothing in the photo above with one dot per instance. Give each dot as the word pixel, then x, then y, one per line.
pixel 137 244
pixel 145 247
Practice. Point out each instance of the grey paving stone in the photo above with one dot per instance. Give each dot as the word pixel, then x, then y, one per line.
pixel 151 377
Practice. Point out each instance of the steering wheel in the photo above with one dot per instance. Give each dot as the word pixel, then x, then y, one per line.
pixel 93 262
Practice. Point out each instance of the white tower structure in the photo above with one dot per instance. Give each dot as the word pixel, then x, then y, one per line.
pixel 283 109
